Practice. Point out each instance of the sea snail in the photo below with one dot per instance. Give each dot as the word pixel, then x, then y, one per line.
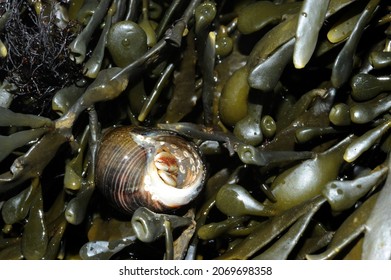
pixel 157 169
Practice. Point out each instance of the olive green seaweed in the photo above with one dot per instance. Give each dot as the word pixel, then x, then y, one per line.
pixel 17 208
pixel 377 242
pixel 224 43
pixel 340 114
pixel 268 126
pixel 152 98
pixel 365 112
pixel 292 187
pixel 365 141
pixel 104 250
pixel 184 96
pixel 267 231
pixel 242 203
pixel 207 65
pixel 311 110
pixel 380 59
pixel 311 18
pixel 343 64
pixel 74 168
pixel 249 128
pixel 149 226
pixel 78 47
pixel 259 14
pixel 65 98
pixel 146 24
pixel 93 65
pixel 281 249
pixel 342 195
pixel 19 139
pixel 35 237
pixel 126 41
pixel 366 86
pixel 306 134
pixel 168 15
pixel 9 117
pixel 31 164
pixel 214 230
pixel 204 14
pixel 234 97
pixel 351 229
pixel 265 75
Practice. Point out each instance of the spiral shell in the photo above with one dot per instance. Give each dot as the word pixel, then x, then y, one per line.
pixel 153 168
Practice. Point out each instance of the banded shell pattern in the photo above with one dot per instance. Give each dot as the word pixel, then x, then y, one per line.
pixel 157 169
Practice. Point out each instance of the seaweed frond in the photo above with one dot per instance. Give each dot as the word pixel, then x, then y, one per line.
pixel 38 61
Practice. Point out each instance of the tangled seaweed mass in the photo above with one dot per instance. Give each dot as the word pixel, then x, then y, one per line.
pixel 195 129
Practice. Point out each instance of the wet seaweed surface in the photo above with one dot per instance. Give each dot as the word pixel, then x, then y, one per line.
pixel 286 101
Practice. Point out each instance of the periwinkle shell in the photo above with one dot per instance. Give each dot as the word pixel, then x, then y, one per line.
pixel 152 168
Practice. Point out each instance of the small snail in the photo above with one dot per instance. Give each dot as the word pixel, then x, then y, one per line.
pixel 153 168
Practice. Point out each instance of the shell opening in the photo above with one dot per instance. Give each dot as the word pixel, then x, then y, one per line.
pixel 177 173
pixel 167 167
